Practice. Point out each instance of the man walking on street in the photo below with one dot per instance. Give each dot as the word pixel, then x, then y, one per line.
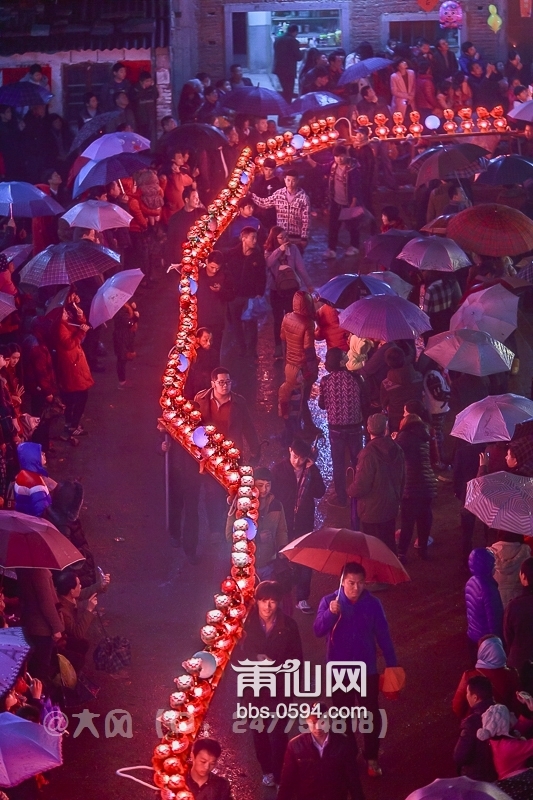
pixel 292 209
pixel 301 363
pixel 354 622
pixel 245 269
pixel 345 200
pixel 297 483
pixel 287 53
pixel 378 482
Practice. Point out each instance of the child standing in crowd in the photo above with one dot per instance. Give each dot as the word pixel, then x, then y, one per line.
pixel 125 327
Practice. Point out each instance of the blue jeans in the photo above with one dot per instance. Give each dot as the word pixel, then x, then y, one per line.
pixel 340 439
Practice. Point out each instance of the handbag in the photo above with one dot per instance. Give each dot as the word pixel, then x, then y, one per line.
pixel 112 653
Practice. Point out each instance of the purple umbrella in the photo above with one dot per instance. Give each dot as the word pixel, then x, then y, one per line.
pixel 342 290
pixel 18 253
pixel 384 318
pixel 100 173
pixel 363 69
pixel 113 144
pixel 458 789
pixel 21 199
pixel 25 749
pixel 24 93
pixel 110 297
pixel 67 263
pixel 256 100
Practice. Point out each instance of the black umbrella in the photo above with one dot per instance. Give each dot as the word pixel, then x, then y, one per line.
pixel 257 101
pixel 506 170
pixel 196 136
pixel 24 93
pixel 92 128
pixel 385 247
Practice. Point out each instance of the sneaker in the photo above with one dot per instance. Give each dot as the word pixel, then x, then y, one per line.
pixel 330 254
pixel 124 384
pixel 304 607
pixel 79 431
pixel 444 479
pixel 268 780
pixel 337 502
pixel 351 251
pixel 373 769
pixel 430 541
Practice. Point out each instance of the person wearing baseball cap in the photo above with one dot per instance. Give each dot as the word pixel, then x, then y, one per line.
pixel 378 482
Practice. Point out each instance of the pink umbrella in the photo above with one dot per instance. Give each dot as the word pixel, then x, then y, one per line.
pixel 18 253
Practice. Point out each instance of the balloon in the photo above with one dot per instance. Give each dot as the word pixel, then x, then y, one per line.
pixel 451 15
pixel 432 122
pixel 183 363
pixel 199 437
pixel 244 178
pixel 297 141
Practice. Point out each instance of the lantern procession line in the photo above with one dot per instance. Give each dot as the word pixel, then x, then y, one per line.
pixel 219 456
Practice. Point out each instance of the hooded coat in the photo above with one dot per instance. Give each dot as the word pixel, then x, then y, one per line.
pixel 400 386
pixel 73 371
pixel 379 480
pixel 298 333
pixel 484 608
pixel 509 557
pixel 32 495
pixel 420 481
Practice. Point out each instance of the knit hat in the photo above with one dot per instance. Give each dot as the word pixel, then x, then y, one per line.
pixel 496 721
pixel 377 424
pixel 490 654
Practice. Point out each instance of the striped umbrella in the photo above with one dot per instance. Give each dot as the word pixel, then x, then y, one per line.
pixel 329 549
pixel 503 501
pixel 492 419
pixel 473 352
pixel 385 318
pixel 493 310
pixel 66 263
pixel 435 253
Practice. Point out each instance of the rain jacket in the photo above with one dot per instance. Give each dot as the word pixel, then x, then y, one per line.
pixel 420 481
pixel 484 608
pixel 298 333
pixel 352 635
pixel 379 480
pixel 32 495
pixel 73 371
pixel 509 557
pixel 328 328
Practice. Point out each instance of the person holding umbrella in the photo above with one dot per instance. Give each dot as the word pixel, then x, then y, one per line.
pixel 354 622
pixel 73 373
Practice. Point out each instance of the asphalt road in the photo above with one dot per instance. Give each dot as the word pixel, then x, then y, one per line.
pixel 159 601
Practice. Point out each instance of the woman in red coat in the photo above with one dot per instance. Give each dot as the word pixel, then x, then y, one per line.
pixel 73 373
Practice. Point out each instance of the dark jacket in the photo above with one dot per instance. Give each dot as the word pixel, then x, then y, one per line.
pixel 353 635
pixel 420 479
pixel 465 466
pixel 241 425
pixel 144 104
pixel 39 600
pixel 308 776
pixel 472 757
pixel 266 188
pixel 352 178
pixel 246 273
pixel 300 517
pixel 379 480
pixel 287 53
pixel 212 305
pixel 374 371
pixel 178 227
pixel 442 70
pixel 484 609
pixel 199 377
pixel 400 386
pixel 518 629
pixel 215 788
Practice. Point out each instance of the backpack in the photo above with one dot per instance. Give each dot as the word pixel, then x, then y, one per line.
pixel 286 281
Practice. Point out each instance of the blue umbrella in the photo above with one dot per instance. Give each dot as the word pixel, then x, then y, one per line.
pixel 363 69
pixel 20 199
pixel 24 93
pixel 342 290
pixel 505 170
pixel 100 173
pixel 312 101
pixel 257 101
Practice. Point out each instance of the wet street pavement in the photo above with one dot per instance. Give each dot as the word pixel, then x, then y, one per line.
pixel 159 601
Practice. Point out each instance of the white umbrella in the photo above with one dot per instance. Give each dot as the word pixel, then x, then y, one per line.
pixel 401 287
pixel 434 253
pixel 112 144
pixel 112 295
pixel 473 352
pixel 492 419
pixel 493 310
pixel 97 214
pixel 503 501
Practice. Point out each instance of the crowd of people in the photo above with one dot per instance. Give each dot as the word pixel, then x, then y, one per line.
pixel 389 407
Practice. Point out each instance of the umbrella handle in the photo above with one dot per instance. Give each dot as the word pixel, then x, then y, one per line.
pixel 120 186
pixel 11 211
pixel 122 773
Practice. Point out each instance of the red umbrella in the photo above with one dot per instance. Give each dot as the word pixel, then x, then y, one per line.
pixel 492 230
pixel 32 542
pixel 329 549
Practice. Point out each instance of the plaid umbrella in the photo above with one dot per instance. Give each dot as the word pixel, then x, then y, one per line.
pixel 491 229
pixel 314 101
pixel 113 144
pixel 473 352
pixel 526 273
pixel 502 500
pixel 455 161
pixel 523 112
pixel 329 549
pixel 92 128
pixel 384 318
pixel 384 247
pixel 342 290
pixel 422 157
pixel 257 101
pixel 505 170
pixel 21 199
pixel 24 93
pixel 13 650
pixel 435 253
pixel 493 310
pixel 67 263
pixel 458 789
pixel 363 69
pixel 7 305
pixel 100 173
pixel 492 419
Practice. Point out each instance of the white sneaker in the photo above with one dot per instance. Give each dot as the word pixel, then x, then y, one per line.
pixel 330 254
pixel 268 779
pixel 304 607
pixel 430 541
pixel 352 251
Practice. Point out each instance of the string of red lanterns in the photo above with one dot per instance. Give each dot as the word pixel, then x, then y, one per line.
pixel 217 455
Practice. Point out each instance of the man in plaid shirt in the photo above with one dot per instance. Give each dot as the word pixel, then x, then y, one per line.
pixel 439 298
pixel 292 208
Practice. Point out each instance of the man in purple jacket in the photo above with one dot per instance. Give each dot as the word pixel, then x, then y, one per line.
pixel 354 621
